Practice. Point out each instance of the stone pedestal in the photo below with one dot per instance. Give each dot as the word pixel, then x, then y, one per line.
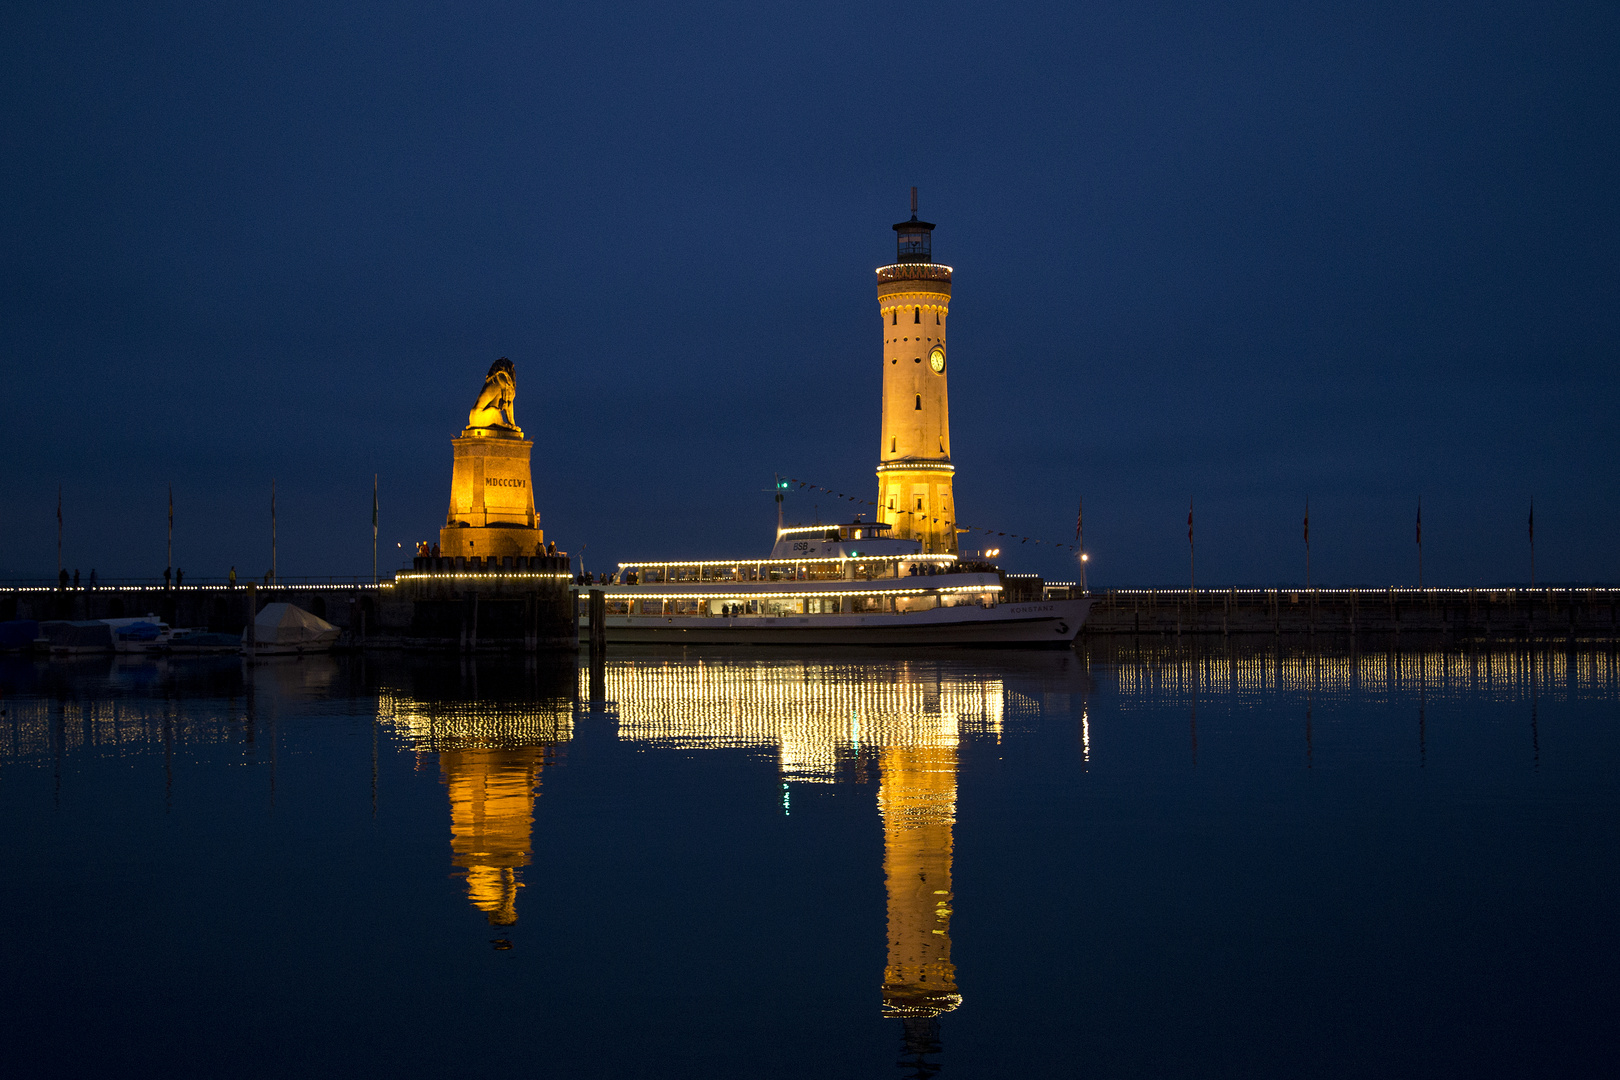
pixel 492 513
pixel 520 604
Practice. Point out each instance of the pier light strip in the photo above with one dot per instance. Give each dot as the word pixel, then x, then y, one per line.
pixel 484 576
pixel 158 586
pixel 1368 591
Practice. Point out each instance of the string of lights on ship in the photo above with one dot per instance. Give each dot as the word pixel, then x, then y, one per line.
pixel 936 521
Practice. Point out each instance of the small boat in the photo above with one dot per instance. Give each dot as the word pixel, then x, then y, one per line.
pixel 844 584
pixel 141 635
pixel 197 640
pixel 286 630
pixel 62 637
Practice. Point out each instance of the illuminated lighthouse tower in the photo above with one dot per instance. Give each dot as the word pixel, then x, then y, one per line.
pixel 914 470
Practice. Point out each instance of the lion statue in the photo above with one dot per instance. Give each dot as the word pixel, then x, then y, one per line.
pixel 494 408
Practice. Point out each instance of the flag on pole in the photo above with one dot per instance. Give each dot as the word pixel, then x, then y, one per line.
pixel 1307 521
pixel 1079 519
pixel 1189 521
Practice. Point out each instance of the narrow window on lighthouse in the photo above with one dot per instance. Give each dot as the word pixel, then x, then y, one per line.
pixel 936 318
pixel 891 444
pixel 896 314
pixel 942 444
pixel 919 402
pixel 916 315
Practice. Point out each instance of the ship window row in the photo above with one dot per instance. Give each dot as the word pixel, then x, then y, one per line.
pixel 839 570
pixel 777 607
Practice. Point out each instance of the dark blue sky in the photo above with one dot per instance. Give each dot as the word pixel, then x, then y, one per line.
pixel 1243 254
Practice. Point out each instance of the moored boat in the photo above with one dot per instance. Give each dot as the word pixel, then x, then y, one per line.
pixel 196 640
pixel 843 584
pixel 139 635
pixel 287 629
pixel 74 637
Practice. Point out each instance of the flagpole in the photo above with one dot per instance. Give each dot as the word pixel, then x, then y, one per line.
pixel 1192 555
pixel 1080 538
pixel 1420 543
pixel 374 528
pixel 274 577
pixel 1531 543
pixel 171 528
pixel 59 530
pixel 1307 543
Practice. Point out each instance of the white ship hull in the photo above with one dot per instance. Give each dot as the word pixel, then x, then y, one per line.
pixel 1035 624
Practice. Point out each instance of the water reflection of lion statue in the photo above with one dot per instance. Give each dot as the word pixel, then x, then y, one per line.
pixel 494 408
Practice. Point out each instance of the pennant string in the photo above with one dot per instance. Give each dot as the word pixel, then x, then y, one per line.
pixel 924 518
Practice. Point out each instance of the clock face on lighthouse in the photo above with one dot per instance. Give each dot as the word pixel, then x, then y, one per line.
pixel 936 360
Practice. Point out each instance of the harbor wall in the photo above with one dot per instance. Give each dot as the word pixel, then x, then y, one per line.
pixel 465 608
pixel 481 612
pixel 1543 613
pixel 221 609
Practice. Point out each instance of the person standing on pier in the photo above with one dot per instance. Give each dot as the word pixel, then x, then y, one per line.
pixel 75 578
pixel 179 575
pixel 167 573
pixel 233 577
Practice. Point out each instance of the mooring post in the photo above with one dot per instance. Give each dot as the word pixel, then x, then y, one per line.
pixel 598 619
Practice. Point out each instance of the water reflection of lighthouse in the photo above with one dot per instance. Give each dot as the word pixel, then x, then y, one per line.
pixel 910 717
pixel 917 798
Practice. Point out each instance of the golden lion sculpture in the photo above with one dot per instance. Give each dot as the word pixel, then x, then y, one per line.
pixel 494 408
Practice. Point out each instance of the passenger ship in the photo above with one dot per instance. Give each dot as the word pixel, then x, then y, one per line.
pixel 844 584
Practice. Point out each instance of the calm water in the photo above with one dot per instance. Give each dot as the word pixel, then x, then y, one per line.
pixel 1132 863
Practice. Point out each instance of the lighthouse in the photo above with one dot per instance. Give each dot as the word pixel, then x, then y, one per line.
pixel 914 461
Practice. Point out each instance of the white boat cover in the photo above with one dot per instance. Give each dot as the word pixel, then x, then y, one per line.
pixel 289 624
